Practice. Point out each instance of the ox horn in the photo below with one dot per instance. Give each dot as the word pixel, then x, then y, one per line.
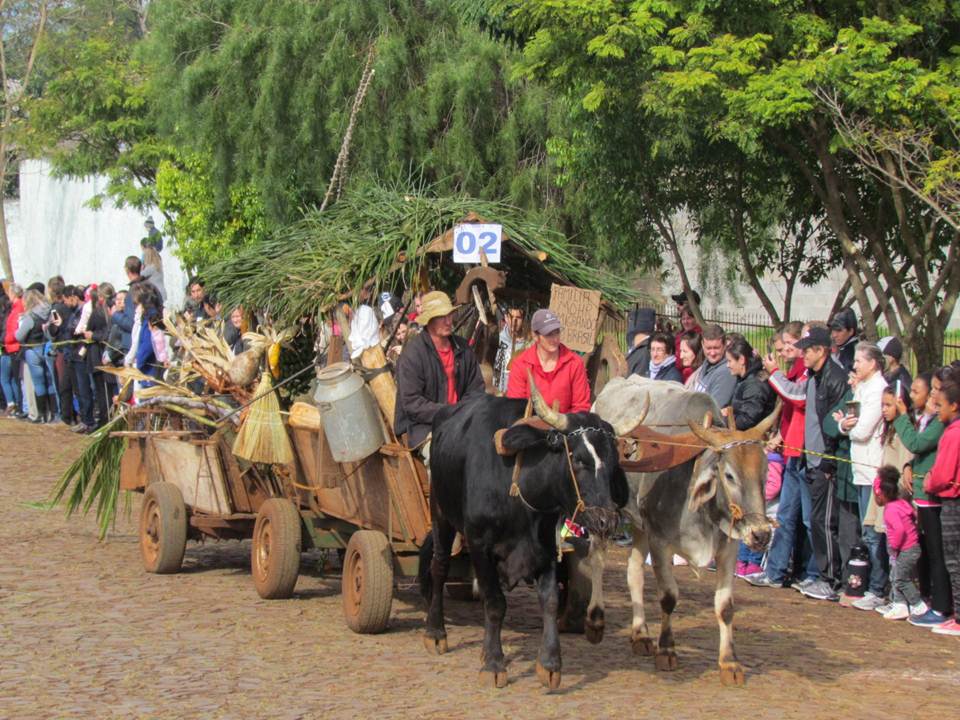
pixel 544 411
pixel 705 433
pixel 628 426
pixel 763 427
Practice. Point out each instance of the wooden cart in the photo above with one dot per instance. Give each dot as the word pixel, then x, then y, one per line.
pixel 375 511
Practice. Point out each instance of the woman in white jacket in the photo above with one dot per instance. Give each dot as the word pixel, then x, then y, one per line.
pixel 866 451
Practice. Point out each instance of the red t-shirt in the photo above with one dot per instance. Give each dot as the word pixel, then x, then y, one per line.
pixel 446 359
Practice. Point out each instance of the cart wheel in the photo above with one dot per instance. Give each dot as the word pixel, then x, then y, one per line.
pixel 163 528
pixel 275 558
pixel 367 582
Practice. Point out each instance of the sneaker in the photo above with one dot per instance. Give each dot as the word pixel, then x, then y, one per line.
pixel 921 608
pixel 847 600
pixel 801 585
pixel 761 579
pixel 820 590
pixel 950 627
pixel 752 569
pixel 741 568
pixel 623 540
pixel 929 619
pixel 870 601
pixel 899 611
pixel 80 428
pixel 882 609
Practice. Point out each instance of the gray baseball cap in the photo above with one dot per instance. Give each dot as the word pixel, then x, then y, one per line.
pixel 545 321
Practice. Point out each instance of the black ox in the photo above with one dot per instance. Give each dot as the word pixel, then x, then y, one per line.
pixel 513 537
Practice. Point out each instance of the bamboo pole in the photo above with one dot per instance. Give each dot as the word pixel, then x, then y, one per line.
pixel 383 386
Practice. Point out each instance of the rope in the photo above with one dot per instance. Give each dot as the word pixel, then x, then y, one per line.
pixel 736 443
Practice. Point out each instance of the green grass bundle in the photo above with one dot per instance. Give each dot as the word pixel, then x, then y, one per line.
pixel 94 477
pixel 262 437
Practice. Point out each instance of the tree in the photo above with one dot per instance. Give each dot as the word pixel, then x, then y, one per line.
pixel 22 28
pixel 264 91
pixel 747 74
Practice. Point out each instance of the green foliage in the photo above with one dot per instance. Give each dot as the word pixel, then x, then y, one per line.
pixel 692 82
pixel 185 193
pixel 90 111
pixel 379 232
pixel 264 89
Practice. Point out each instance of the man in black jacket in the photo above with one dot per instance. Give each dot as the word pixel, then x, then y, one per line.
pixel 642 322
pixel 822 391
pixel 65 303
pixel 436 368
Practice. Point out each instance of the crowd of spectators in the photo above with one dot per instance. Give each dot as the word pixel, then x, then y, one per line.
pixel 863 472
pixel 58 337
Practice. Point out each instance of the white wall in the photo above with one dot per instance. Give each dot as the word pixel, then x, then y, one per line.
pixel 809 303
pixel 53 232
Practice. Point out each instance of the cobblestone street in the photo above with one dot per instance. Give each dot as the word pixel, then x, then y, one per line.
pixel 84 632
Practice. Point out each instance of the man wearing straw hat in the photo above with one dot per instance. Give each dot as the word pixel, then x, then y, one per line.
pixel 436 368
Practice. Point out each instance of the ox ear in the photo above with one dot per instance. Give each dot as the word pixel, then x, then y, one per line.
pixel 703 486
pixel 521 437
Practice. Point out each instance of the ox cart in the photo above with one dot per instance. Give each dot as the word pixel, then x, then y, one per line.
pixel 374 511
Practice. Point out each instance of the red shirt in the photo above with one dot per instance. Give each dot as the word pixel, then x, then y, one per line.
pixel 446 359
pixel 10 343
pixel 793 416
pixel 944 477
pixel 566 383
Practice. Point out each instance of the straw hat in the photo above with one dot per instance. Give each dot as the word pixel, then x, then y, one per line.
pixel 433 305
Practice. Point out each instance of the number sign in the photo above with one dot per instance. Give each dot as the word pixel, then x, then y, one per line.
pixel 469 239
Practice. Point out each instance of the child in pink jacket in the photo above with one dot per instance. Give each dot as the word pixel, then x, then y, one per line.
pixel 903 544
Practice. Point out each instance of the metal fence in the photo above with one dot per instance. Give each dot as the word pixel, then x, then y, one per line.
pixel 950 353
pixel 758 330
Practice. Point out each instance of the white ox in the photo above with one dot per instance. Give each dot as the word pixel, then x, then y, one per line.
pixel 699 510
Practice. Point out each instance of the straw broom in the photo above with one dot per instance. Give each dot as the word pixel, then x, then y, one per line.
pixel 262 436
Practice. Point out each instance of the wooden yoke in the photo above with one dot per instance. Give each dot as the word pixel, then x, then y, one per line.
pixel 656 451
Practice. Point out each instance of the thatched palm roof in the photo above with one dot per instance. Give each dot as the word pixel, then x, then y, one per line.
pixel 391 237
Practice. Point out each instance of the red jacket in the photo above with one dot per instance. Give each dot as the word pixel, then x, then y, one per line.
pixel 793 414
pixel 567 384
pixel 943 479
pixel 10 343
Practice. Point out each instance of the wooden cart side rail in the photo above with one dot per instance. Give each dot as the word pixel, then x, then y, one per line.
pixel 156 433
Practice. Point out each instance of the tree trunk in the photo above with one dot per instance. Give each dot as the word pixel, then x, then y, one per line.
pixel 4 243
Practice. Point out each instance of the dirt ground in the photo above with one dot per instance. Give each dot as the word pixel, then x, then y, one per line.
pixel 84 632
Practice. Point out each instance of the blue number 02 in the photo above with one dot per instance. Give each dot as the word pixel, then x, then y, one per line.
pixel 466 242
pixel 489 240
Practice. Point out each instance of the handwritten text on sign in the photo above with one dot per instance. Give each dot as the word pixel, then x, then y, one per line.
pixel 469 239
pixel 579 312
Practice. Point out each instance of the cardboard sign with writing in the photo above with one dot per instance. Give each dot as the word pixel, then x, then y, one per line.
pixel 579 313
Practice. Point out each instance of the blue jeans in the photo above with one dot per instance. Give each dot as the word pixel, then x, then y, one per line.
pixel 794 510
pixel 37 365
pixel 52 390
pixel 10 379
pixel 751 557
pixel 876 544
